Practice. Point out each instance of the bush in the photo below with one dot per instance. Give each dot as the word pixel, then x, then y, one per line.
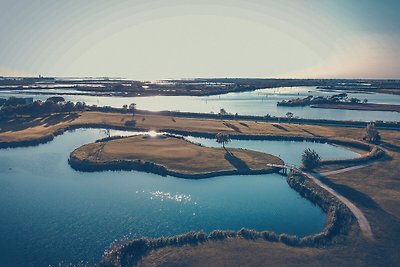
pixel 130 123
pixel 289 239
pixel 248 233
pixel 310 159
pixel 372 134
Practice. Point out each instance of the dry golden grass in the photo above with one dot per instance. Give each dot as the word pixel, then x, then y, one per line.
pixel 173 153
pixel 240 252
pixel 155 122
pixel 29 129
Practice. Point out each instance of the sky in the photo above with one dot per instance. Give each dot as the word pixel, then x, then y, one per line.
pixel 159 39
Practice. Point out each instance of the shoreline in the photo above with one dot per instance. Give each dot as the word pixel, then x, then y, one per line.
pixel 93 157
pixel 151 167
pixel 366 107
pixel 338 223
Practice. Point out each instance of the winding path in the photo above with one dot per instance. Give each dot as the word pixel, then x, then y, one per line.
pixel 343 170
pixel 361 219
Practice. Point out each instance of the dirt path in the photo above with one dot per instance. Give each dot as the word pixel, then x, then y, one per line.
pixel 361 219
pixel 344 170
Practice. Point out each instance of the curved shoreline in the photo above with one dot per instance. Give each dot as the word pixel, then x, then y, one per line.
pixel 151 167
pixel 339 221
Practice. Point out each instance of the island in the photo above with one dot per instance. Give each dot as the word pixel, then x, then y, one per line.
pixel 338 101
pixel 169 155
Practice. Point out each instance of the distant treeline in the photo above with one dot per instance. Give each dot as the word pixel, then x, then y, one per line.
pixel 328 83
pixel 200 86
pixel 22 106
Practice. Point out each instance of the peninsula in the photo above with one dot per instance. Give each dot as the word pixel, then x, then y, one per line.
pixel 169 155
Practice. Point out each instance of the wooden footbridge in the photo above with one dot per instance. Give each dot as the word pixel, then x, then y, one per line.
pixel 284 168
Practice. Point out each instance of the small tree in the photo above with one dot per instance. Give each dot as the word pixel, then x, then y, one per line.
pixel 310 159
pixel 372 133
pixel 289 115
pixel 222 138
pixel 365 101
pixel 132 108
pixel 222 112
pixel 130 123
pixel 107 132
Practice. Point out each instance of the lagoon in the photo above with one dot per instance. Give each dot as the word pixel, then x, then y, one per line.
pixel 50 213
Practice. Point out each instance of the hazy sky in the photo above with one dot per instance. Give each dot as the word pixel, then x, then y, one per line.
pixel 148 39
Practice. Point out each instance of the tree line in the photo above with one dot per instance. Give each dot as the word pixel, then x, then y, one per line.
pixel 17 106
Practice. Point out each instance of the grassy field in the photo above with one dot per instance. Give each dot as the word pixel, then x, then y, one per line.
pixel 22 129
pixel 175 154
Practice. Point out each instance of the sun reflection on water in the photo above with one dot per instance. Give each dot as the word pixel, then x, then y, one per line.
pixel 171 196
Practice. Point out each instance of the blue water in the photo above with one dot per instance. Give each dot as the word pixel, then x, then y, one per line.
pixel 50 213
pixel 289 151
pixel 258 102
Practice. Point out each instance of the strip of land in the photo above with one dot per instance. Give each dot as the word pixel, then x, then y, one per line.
pixel 25 129
pixel 370 107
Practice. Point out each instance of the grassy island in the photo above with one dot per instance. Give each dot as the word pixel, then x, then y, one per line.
pixel 169 155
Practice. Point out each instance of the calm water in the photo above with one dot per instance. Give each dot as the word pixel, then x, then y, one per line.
pixel 259 102
pixel 289 151
pixel 50 213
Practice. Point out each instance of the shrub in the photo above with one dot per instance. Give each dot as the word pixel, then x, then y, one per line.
pixel 270 236
pixel 130 123
pixel 372 133
pixel 289 239
pixel 248 233
pixel 310 159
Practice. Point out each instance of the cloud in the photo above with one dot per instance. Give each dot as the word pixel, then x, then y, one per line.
pixel 362 56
